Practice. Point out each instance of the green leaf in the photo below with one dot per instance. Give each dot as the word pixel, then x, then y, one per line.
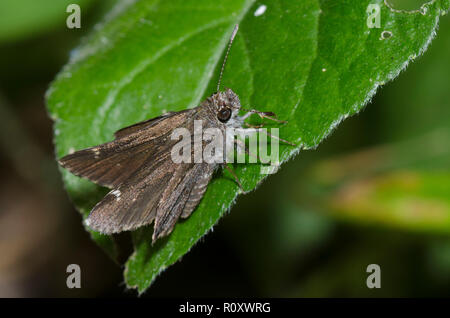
pixel 412 200
pixel 314 63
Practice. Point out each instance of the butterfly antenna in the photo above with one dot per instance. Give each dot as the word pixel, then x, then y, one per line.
pixel 226 55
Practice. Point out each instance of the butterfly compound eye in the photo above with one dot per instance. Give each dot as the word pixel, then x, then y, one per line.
pixel 224 114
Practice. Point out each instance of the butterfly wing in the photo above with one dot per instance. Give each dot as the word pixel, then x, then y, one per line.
pixel 143 125
pixel 134 202
pixel 198 191
pixel 158 192
pixel 111 163
pixel 180 196
pixel 147 185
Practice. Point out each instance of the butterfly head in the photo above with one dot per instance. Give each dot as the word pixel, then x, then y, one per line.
pixel 227 106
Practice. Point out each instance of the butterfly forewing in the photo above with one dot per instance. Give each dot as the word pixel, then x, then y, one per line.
pixel 111 163
pixel 145 125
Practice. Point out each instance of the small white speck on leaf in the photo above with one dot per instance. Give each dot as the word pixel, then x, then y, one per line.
pixel 145 21
pixel 71 150
pixel 260 11
pixel 324 70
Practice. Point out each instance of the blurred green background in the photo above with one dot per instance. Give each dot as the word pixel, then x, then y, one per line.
pixel 376 192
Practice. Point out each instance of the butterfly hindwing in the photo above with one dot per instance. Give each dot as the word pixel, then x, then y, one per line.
pixel 177 195
pixel 159 192
pixel 198 190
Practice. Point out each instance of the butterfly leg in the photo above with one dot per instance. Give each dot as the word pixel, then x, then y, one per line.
pixel 241 146
pixel 235 177
pixel 269 134
pixel 269 115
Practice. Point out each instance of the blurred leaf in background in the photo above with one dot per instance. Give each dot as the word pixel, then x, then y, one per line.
pixel 24 19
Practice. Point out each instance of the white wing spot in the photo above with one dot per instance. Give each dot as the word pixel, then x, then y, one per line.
pixel 96 153
pixel 117 194
pixel 260 11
